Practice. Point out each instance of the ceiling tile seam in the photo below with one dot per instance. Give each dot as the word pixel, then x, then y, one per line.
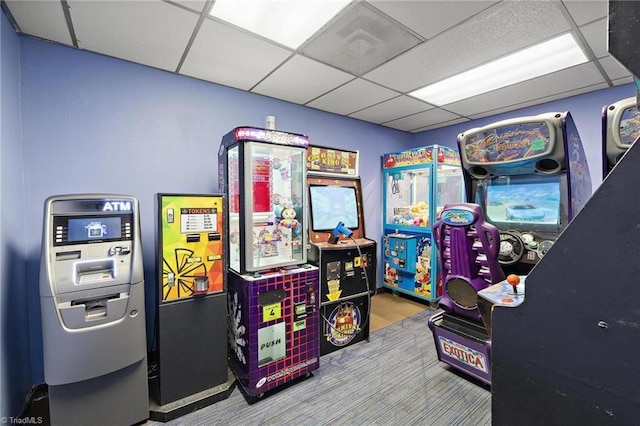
pixel 329 91
pixel 10 17
pixel 196 30
pixel 387 100
pixel 420 112
pixel 417 129
pixel 291 56
pixel 209 17
pixel 67 18
pixel 588 22
pixel 582 41
pixel 186 8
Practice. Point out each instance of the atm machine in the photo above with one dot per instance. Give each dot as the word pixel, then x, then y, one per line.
pixel 346 258
pixel 272 292
pixel 93 310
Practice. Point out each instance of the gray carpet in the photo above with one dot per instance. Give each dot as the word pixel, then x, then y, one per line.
pixel 394 379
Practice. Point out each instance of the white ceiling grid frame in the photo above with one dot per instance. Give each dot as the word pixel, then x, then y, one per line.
pixel 432 116
pixel 231 57
pixel 151 33
pixel 583 12
pixel 485 38
pixel 392 109
pixel 301 80
pixel 351 97
pixel 45 18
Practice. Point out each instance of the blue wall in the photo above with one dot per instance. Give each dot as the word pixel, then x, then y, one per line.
pixel 14 324
pixel 90 123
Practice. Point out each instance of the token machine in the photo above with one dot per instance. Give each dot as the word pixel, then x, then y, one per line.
pixel 191 317
pixel 620 129
pixel 93 310
pixel 273 294
pixel 417 185
pixel 345 257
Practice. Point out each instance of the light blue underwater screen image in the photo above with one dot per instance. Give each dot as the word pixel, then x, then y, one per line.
pixel 537 203
pixel 332 204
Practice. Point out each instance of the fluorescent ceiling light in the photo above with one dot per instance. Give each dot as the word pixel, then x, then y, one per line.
pixel 288 22
pixel 544 58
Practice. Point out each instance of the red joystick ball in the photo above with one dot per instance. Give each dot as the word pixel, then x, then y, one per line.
pixel 514 280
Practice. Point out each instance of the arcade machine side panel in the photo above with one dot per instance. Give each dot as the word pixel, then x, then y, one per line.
pixel 192 311
pixel 273 328
pixel 93 310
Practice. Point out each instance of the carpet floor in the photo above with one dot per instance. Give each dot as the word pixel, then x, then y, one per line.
pixel 394 379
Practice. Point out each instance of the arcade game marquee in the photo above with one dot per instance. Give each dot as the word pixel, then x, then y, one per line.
pixel 620 129
pixel 530 177
pixel 346 258
pixel 191 316
pixel 417 184
pixel 273 294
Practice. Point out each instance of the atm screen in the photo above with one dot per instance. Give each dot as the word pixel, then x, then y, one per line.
pixel 94 228
pixel 331 204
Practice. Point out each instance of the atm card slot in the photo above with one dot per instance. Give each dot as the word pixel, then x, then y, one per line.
pixel 68 255
pixel 193 238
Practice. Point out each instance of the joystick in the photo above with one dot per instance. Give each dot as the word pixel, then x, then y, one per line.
pixel 513 280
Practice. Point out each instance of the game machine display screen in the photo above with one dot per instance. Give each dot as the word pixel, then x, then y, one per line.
pixel 272 292
pixel 620 130
pixel 417 184
pixel 529 177
pixel 339 247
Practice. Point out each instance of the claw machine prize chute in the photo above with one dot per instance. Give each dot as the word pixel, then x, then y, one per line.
pixel 272 297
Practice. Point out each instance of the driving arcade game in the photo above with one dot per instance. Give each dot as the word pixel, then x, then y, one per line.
pixel 528 177
pixel 345 257
pixel 620 129
pixel 273 294
pixel 93 310
pixel 191 313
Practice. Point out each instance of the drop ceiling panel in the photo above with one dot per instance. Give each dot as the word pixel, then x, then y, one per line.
pixel 360 40
pixel 553 85
pixel 392 109
pixel 301 79
pixel 622 81
pixel 353 96
pixel 585 11
pixel 149 33
pixel 613 68
pixel 429 18
pixel 196 5
pixel 422 119
pixel 542 100
pixel 436 126
pixel 44 19
pixel 231 57
pixel 596 36
pixel 497 31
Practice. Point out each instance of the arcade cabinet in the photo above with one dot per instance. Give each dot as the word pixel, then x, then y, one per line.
pixel 273 294
pixel 93 310
pixel 417 184
pixel 345 257
pixel 191 316
pixel 620 129
pixel 530 177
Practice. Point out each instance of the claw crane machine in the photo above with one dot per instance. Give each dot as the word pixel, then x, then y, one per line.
pixel 417 184
pixel 272 291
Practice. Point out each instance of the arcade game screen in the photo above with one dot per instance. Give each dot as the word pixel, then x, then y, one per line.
pixel 630 126
pixel 530 203
pixel 332 204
